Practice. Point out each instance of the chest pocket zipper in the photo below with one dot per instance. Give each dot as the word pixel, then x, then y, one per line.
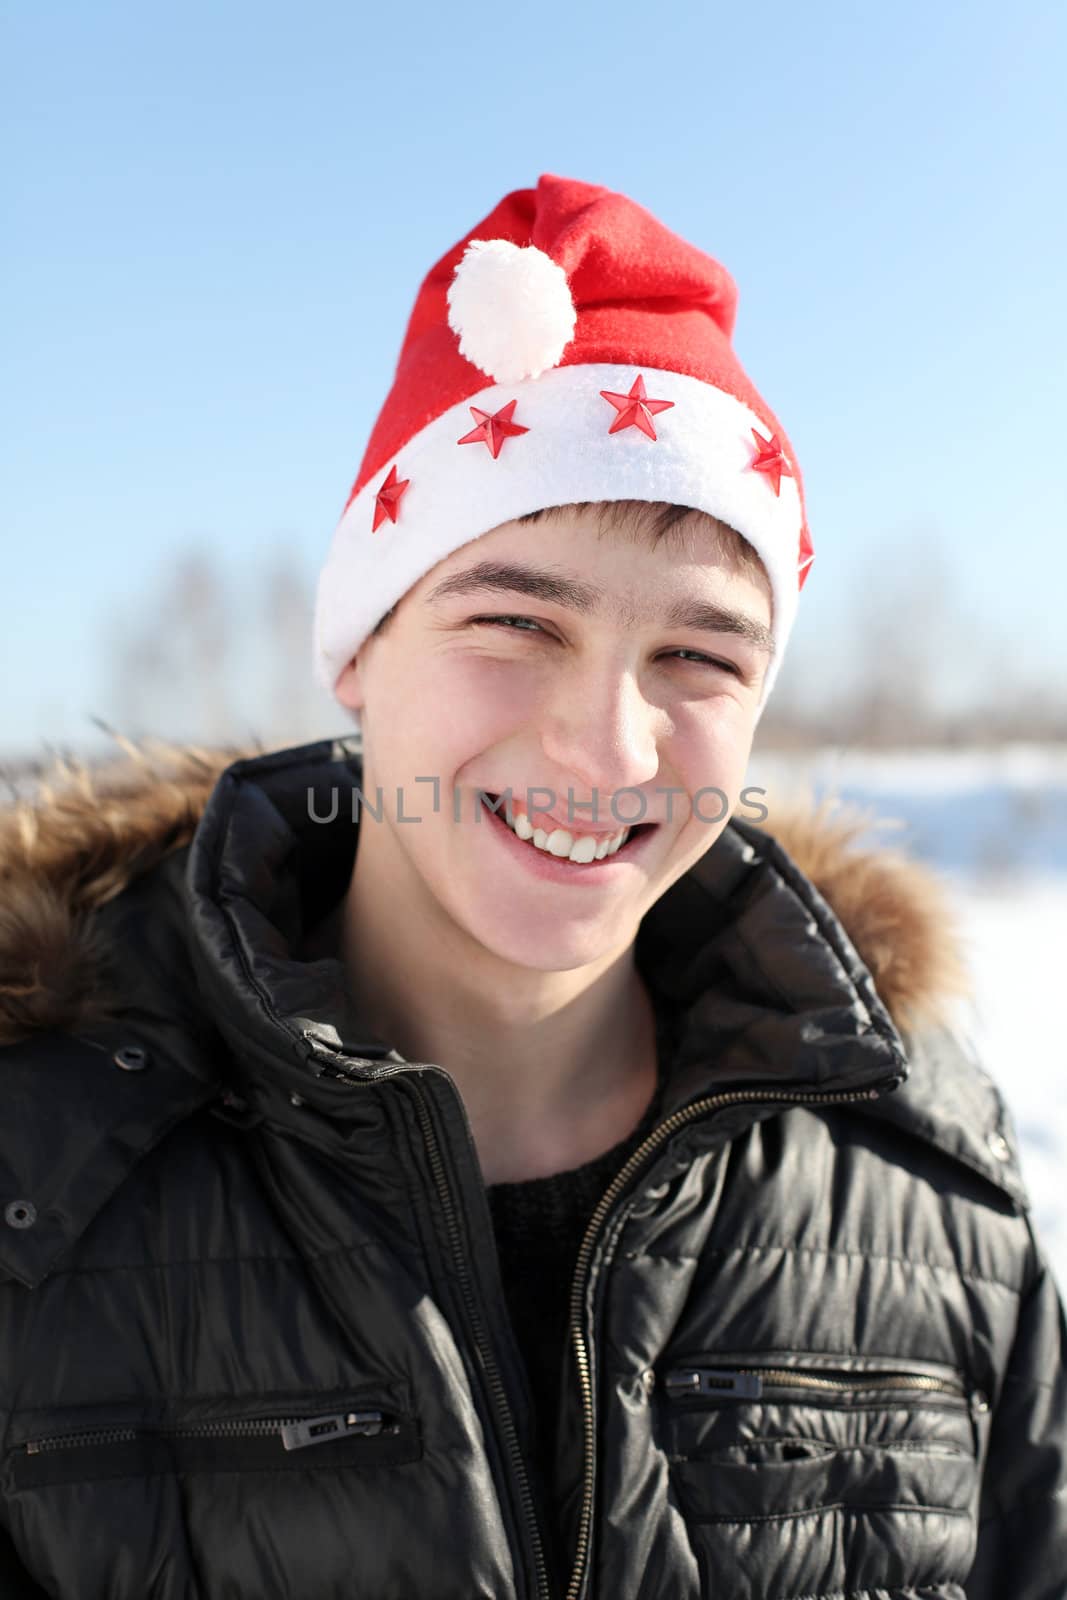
pixel 838 1389
pixel 754 1383
pixel 349 1437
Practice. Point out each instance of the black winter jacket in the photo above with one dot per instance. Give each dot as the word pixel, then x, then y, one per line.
pixel 253 1342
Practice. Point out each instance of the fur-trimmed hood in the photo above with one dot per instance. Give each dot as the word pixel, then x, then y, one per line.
pixel 86 833
pixel 153 903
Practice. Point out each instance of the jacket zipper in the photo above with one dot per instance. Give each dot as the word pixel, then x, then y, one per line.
pixel 663 1131
pixel 296 1432
pixel 749 1383
pixel 485 1350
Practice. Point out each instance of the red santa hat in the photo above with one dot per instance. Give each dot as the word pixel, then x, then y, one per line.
pixel 569 348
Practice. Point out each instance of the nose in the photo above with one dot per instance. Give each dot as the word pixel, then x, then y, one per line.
pixel 600 732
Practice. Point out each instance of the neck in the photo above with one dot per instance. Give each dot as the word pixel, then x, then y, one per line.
pixel 553 1067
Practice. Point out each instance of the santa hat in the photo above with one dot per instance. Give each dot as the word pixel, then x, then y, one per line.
pixel 569 348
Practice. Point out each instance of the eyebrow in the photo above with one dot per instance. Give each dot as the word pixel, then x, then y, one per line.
pixel 563 590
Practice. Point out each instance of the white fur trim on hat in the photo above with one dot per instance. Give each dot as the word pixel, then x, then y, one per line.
pixel 511 307
pixel 701 457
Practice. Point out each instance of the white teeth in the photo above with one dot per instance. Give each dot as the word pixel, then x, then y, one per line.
pixel 580 848
pixel 584 850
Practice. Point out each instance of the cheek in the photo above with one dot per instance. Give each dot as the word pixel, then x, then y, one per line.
pixel 445 711
pixel 486 699
pixel 713 736
pixel 709 754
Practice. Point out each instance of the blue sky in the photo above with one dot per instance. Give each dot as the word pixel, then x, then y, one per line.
pixel 216 216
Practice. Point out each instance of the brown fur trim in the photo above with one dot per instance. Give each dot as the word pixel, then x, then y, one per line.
pixel 895 909
pixel 87 832
pixel 68 849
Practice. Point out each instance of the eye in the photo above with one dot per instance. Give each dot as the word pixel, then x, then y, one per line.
pixel 711 661
pixel 527 622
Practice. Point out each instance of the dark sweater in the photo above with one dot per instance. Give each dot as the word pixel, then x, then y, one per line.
pixel 539 1227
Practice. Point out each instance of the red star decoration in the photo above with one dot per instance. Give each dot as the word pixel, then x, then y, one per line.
pixel 805 558
pixel 387 500
pixel 770 458
pixel 635 410
pixel 493 430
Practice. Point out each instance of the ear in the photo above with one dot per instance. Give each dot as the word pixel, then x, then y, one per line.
pixel 348 689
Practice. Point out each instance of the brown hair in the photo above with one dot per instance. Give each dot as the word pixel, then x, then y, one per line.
pixel 652 519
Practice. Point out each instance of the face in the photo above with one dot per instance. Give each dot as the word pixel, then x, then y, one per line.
pixel 519 688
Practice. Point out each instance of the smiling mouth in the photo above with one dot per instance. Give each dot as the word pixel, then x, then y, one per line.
pixel 539 840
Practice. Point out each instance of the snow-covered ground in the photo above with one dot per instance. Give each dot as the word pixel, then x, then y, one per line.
pixel 994 825
pixel 1017 944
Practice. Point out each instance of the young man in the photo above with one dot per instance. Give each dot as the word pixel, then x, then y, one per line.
pixel 416 1184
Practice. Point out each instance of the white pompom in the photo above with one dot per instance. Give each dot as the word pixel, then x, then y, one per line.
pixel 512 309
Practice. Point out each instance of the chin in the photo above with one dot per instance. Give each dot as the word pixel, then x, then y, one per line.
pixel 541 941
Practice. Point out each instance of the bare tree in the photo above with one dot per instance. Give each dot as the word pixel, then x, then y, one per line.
pixel 207 663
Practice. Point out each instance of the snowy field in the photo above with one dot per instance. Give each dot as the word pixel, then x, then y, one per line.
pixel 1017 937
pixel 994 825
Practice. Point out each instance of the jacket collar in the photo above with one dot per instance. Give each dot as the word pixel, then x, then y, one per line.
pixel 772 948
pixel 772 989
pixel 760 971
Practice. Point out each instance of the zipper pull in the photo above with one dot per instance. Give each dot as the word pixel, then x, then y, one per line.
pixel 316 1430
pixel 710 1380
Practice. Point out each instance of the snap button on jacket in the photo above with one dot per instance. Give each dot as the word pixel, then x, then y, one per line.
pixel 255 1341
